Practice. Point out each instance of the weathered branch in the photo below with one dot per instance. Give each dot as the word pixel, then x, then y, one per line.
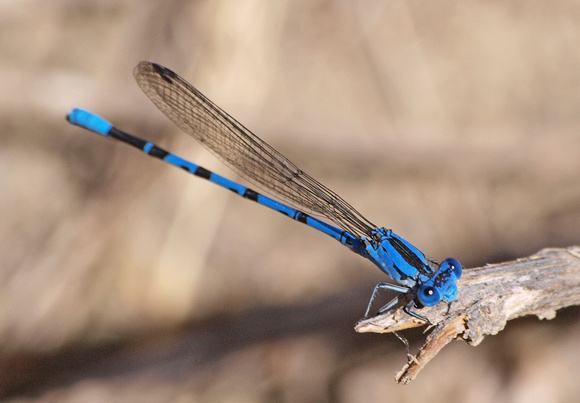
pixel 489 296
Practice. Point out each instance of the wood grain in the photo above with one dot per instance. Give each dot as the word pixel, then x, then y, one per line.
pixel 489 296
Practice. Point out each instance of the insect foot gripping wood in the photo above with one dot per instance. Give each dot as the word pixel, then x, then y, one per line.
pixel 488 297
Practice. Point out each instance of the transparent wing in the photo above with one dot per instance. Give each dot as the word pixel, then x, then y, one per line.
pixel 243 151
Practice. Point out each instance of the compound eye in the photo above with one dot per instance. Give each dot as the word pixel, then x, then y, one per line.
pixel 454 265
pixel 429 295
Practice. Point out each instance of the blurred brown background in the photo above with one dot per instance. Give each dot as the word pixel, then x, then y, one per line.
pixel 457 124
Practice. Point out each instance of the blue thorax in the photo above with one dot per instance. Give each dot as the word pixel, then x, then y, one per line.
pixel 408 266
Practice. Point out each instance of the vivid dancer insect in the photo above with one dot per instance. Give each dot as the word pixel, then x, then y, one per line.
pixel 421 282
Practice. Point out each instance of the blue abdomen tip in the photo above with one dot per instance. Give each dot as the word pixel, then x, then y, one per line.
pixel 89 120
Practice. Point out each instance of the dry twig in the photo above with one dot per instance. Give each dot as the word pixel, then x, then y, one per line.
pixel 489 296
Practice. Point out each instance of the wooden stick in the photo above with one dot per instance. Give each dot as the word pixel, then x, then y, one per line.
pixel 488 297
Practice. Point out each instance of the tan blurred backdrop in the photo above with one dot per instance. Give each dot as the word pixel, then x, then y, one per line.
pixel 457 124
